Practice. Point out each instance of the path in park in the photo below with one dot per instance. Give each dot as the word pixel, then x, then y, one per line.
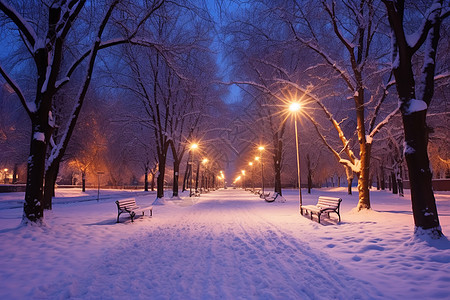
pixel 228 244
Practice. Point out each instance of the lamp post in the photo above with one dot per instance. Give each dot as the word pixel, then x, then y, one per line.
pixel 192 148
pixel 243 180
pixel 98 184
pixel 261 149
pixel 295 108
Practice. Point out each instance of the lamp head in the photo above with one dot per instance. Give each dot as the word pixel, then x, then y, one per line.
pixel 295 106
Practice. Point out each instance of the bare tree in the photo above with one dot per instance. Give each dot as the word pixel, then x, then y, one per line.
pixel 415 93
pixel 47 49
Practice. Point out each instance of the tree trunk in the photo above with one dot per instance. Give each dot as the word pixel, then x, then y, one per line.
pixel 146 181
pixel 197 173
pixel 83 181
pixel 420 176
pixel 349 174
pixel 363 179
pixel 394 184
pixel 33 210
pixel 187 172
pixel 49 186
pixel 414 119
pixel 176 172
pixel 152 184
pixel 382 181
pixel 308 165
pixel 277 167
pixel 14 180
pixel 160 177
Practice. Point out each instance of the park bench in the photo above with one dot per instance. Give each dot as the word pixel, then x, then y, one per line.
pixel 324 205
pixel 272 198
pixel 261 194
pixel 129 206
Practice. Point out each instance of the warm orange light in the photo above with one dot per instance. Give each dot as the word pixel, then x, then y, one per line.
pixel 243 172
pixel 295 106
pixel 6 170
pixel 205 160
pixel 260 148
pixel 250 164
pixel 194 146
pixel 256 157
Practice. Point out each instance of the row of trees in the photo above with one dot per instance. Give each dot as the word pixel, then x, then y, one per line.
pixel 333 58
pixel 160 98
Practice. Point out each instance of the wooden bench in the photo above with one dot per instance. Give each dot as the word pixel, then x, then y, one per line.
pixel 324 205
pixel 272 198
pixel 263 195
pixel 129 206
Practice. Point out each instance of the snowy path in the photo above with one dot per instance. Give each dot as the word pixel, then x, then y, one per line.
pixel 227 246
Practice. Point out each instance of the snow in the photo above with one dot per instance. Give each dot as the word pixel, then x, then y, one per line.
pixel 414 105
pixel 226 244
pixel 408 149
pixel 39 136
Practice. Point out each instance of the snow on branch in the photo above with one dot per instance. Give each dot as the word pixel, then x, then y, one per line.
pixel 355 167
pixel 380 125
pixel 330 61
pixel 59 150
pixel 416 40
pixel 69 14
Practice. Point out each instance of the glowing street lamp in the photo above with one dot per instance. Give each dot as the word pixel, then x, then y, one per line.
pixel 192 149
pixel 295 107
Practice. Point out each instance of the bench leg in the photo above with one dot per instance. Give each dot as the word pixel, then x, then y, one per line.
pixel 132 216
pixel 318 218
pixel 118 214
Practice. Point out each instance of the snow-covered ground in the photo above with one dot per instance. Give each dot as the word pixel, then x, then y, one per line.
pixel 227 244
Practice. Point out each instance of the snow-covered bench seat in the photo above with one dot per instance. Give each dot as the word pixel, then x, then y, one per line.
pixel 129 205
pixel 324 205
pixel 272 198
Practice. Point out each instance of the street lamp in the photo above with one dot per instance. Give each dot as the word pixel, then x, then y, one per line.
pixel 192 148
pixel 243 180
pixel 98 184
pixel 295 108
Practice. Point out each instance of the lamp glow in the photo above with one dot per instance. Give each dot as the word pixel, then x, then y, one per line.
pixel 295 106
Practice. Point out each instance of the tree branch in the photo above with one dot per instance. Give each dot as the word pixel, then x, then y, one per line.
pixel 20 22
pixel 18 91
